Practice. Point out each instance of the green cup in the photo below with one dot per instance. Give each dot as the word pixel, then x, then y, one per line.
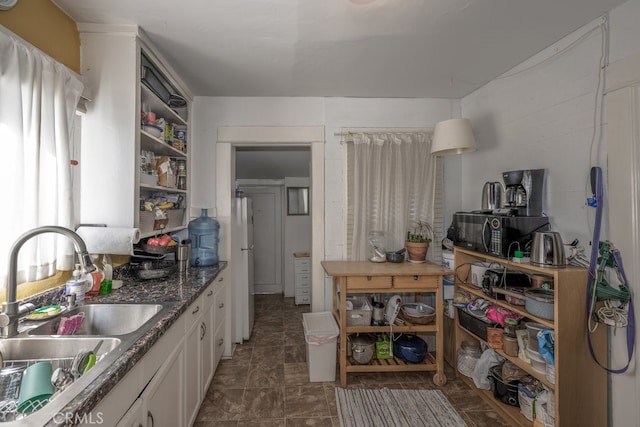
pixel 36 387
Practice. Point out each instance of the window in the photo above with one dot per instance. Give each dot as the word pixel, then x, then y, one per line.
pixel 392 182
pixel 37 116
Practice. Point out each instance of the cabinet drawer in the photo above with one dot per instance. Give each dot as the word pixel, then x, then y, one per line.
pixel 412 282
pixel 219 307
pixel 303 299
pixel 303 278
pixel 306 284
pixel 365 282
pixel 302 262
pixel 194 311
pixel 303 291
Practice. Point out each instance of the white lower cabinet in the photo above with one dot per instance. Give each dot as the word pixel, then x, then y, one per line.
pixel 161 391
pixel 162 399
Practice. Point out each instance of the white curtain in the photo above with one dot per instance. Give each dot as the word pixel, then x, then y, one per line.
pixel 38 98
pixel 392 182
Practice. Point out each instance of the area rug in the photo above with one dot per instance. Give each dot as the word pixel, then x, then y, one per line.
pixel 401 408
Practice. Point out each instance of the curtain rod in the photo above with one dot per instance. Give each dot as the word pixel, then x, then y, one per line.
pixel 351 133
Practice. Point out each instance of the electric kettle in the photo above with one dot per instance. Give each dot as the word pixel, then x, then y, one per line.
pixel 547 249
pixel 492 196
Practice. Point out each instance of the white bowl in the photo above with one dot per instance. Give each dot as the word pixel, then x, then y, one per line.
pixel 152 130
pixel 418 309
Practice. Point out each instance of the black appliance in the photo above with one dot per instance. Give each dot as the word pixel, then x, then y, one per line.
pixel 498 278
pixel 498 235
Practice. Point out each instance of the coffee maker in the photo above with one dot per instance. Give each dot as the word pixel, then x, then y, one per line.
pixel 524 191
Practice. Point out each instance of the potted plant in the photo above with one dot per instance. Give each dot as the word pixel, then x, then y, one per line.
pixel 417 242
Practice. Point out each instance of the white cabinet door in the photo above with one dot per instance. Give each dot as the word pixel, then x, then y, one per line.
pixel 192 371
pixel 206 346
pixel 220 315
pixel 134 417
pixel 163 397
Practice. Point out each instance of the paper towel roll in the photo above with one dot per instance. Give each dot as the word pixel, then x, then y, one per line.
pixel 109 240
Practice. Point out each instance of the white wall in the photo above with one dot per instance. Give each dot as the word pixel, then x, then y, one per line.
pixel 210 113
pixel 543 117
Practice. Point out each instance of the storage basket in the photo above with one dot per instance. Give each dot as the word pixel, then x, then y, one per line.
pixel 473 324
pixel 360 314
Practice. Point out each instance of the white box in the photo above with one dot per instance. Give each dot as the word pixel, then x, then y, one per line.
pixel 321 335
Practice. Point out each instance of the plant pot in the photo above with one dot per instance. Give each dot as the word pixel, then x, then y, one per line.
pixel 417 251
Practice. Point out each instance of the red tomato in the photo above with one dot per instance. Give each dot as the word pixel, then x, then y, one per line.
pixel 153 241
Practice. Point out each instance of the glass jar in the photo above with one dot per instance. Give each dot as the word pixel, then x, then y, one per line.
pixel 377 245
pixel 468 355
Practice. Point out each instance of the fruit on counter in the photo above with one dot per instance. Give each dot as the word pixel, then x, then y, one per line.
pixel 163 240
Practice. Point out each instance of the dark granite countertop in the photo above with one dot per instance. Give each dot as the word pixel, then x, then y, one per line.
pixel 182 288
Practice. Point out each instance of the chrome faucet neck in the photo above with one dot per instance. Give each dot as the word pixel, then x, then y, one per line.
pixel 11 308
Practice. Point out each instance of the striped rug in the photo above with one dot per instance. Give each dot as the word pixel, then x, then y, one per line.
pixel 395 408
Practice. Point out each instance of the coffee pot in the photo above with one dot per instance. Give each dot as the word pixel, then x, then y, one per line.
pixel 492 196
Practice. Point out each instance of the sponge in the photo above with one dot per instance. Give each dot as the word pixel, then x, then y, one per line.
pixel 44 312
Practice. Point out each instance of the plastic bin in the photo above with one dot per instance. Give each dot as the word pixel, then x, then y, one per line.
pixel 321 334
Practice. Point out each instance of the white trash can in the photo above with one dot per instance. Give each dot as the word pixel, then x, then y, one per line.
pixel 321 334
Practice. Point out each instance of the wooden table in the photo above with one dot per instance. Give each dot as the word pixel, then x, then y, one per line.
pixel 365 277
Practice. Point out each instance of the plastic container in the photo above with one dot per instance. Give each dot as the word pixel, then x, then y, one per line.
pixel 551 373
pixel 468 355
pixel 321 335
pixel 533 328
pixel 537 361
pixel 203 233
pixel 510 345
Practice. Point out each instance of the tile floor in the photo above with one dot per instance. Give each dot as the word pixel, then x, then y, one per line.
pixel 266 382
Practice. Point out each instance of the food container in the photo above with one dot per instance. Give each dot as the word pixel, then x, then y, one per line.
pixel 417 313
pixel 510 345
pixel 363 348
pixel 533 328
pixel 410 348
pixel 504 392
pixel 468 355
pixel 537 361
pixel 473 324
pixel 540 281
pixel 539 302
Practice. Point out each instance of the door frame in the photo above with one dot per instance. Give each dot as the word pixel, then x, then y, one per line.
pixel 276 136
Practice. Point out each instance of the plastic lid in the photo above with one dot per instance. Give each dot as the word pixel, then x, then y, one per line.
pixel 320 324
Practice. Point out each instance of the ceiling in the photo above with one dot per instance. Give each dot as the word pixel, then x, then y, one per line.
pixel 386 49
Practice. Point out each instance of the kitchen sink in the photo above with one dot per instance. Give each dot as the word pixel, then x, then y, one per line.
pixel 104 319
pixel 26 350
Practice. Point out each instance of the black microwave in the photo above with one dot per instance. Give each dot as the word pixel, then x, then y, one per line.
pixel 498 235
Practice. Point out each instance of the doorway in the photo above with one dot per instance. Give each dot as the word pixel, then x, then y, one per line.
pixel 229 138
pixel 262 174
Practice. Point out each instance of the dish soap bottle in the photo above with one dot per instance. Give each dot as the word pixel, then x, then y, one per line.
pixel 94 278
pixel 107 269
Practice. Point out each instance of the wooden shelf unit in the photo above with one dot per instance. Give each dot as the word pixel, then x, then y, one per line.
pixel 580 384
pixel 364 277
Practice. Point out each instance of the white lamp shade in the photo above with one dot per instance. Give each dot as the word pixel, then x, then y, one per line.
pixel 453 136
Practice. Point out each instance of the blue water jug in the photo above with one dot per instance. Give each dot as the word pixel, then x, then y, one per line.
pixel 203 232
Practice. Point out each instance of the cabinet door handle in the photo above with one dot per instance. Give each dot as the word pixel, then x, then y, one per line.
pixel 221 305
pixel 203 330
pixel 221 279
pixel 220 342
pixel 196 310
pixel 210 293
pixel 150 417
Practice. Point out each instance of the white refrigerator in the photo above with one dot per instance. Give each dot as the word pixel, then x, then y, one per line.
pixel 242 259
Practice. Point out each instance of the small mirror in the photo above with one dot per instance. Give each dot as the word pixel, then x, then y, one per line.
pixel 298 201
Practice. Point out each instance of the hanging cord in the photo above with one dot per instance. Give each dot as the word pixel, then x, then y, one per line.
pixel 597 188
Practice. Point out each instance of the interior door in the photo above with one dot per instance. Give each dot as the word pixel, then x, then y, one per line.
pixel 267 238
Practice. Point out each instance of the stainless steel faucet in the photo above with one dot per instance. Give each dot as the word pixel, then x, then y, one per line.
pixel 11 308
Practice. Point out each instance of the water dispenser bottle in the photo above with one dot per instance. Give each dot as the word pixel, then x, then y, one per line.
pixel 203 233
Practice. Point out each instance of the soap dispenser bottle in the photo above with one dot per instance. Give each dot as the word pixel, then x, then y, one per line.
pixel 76 285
